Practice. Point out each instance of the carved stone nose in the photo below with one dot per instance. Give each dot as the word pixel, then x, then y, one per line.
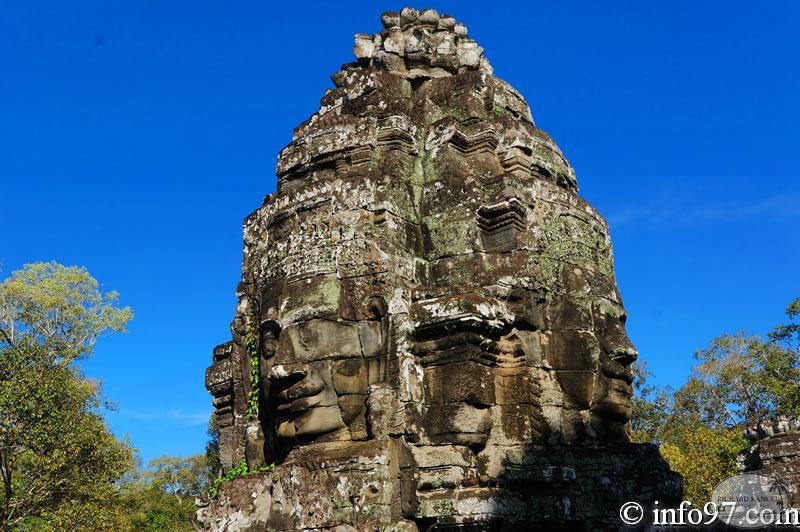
pixel 625 355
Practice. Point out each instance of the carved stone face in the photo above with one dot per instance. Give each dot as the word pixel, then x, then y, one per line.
pixel 458 383
pixel 319 379
pixel 533 350
pixel 425 277
pixel 613 389
pixel 437 193
pixel 599 312
pixel 316 371
pixel 302 384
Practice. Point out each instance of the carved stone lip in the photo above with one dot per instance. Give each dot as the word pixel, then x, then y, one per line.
pixel 299 396
pixel 615 404
pixel 620 387
pixel 301 404
pixel 616 371
pixel 613 411
pixel 295 389
pixel 284 371
pixel 299 389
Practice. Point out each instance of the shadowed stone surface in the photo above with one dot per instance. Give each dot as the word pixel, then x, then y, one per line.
pixel 428 318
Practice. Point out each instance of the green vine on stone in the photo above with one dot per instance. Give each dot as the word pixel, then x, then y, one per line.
pixel 253 396
pixel 241 470
pixel 255 377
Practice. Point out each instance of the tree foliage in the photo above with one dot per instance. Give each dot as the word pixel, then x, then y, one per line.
pixel 162 496
pixel 784 382
pixel 704 457
pixel 651 405
pixel 57 310
pixel 58 461
pixel 212 449
pixel 739 379
pixel 180 477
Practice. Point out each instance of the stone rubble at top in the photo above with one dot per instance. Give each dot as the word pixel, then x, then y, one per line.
pixel 421 44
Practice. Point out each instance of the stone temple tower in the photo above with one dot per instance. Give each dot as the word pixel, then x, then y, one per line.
pixel 429 334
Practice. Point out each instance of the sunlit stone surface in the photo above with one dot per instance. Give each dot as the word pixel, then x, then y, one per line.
pixel 428 318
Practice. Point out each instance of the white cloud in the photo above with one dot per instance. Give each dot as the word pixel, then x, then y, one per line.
pixel 685 209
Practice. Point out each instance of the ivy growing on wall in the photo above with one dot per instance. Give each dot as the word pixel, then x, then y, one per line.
pixel 241 470
pixel 251 413
pixel 251 344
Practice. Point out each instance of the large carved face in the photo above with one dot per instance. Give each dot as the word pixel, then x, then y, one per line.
pixel 301 377
pixel 318 369
pixel 594 334
pixel 457 360
pixel 524 339
pixel 611 404
pixel 422 181
pixel 441 193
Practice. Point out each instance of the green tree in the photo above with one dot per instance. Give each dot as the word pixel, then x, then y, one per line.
pixel 652 405
pixel 704 457
pixel 739 380
pixel 58 461
pixel 179 477
pixel 783 377
pixel 704 454
pixel 730 387
pixel 162 496
pixel 742 379
pixel 212 450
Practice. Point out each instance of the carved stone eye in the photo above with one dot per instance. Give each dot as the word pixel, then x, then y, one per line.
pixel 376 307
pixel 270 329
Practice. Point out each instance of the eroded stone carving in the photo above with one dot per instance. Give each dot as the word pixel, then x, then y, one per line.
pixel 775 452
pixel 435 312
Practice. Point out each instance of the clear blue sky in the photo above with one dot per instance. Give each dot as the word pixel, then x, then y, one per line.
pixel 135 136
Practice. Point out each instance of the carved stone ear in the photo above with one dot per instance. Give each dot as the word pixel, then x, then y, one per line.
pixel 377 307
